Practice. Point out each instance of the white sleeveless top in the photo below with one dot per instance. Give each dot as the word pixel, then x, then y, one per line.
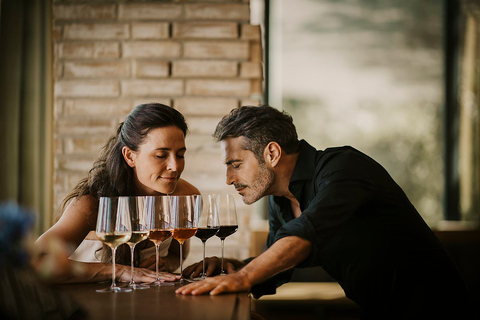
pixel 86 251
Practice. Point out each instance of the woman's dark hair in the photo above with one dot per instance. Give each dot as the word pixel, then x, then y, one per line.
pixel 259 126
pixel 111 175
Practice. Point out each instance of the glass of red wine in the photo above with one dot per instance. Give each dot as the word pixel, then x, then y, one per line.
pixel 160 229
pixel 225 204
pixel 185 214
pixel 208 225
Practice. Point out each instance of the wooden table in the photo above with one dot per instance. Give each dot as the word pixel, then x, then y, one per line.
pixel 157 303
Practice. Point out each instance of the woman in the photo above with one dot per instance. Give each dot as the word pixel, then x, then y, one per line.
pixel 146 157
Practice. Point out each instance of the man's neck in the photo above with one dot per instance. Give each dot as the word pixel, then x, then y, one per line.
pixel 283 174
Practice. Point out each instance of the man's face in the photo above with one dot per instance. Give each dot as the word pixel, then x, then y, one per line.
pixel 251 179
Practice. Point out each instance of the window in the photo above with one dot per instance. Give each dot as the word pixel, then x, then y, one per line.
pixel 369 74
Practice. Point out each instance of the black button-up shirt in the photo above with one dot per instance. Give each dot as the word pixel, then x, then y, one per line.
pixel 364 232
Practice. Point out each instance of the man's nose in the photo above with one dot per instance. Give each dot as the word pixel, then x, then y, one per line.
pixel 230 178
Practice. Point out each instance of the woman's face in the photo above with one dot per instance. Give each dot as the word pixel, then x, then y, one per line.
pixel 159 161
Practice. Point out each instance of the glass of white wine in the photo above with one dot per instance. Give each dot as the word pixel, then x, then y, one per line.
pixel 113 229
pixel 141 219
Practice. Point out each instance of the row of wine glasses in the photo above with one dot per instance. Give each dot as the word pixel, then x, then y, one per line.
pixel 133 219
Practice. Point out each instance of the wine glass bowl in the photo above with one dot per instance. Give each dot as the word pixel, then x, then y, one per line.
pixel 225 204
pixel 113 229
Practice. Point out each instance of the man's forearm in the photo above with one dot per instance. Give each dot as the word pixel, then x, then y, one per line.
pixel 284 254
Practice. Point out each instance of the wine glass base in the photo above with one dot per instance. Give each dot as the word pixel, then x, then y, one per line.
pixel 137 286
pixel 114 289
pixel 161 284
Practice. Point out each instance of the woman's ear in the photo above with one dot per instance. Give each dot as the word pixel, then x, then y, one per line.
pixel 129 156
pixel 272 154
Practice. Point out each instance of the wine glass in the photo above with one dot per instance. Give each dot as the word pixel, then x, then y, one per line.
pixel 113 229
pixel 225 203
pixel 140 219
pixel 160 228
pixel 208 225
pixel 185 214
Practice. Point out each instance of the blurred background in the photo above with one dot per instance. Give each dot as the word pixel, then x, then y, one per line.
pixel 397 80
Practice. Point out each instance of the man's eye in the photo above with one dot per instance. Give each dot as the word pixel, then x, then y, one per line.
pixel 161 157
pixel 235 166
pixel 181 156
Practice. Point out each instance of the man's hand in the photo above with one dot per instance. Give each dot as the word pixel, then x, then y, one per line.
pixel 213 266
pixel 236 282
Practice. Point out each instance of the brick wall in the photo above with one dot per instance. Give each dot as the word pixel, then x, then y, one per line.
pixel 201 57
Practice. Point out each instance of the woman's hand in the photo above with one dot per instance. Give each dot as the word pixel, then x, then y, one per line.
pixel 212 267
pixel 123 274
pixel 149 263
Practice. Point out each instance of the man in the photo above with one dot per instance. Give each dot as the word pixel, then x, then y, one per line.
pixel 338 209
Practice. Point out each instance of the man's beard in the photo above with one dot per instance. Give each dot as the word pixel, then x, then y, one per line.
pixel 260 186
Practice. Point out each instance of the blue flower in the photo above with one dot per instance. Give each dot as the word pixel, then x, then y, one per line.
pixel 15 223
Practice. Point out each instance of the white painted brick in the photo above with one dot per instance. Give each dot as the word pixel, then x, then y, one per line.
pixel 204 143
pixel 251 102
pixel 150 11
pixel 76 164
pixel 256 53
pixel 203 68
pixel 216 49
pixel 88 50
pixel 84 11
pixel 250 32
pixel 84 145
pixel 151 69
pixel 81 126
pixel 96 69
pixel 102 31
pixel 162 100
pixel 87 88
pixel 151 49
pixel 98 107
pixel 205 30
pixel 205 106
pixel 251 70
pixel 150 30
pixel 217 11
pixel 229 88
pixel 170 87
pixel 203 125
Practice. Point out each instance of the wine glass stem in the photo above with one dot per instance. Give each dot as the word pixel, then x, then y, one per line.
pixel 114 251
pixel 132 249
pixel 222 271
pixel 181 260
pixel 157 278
pixel 204 275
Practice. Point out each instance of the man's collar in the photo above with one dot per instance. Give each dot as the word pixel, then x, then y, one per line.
pixel 305 165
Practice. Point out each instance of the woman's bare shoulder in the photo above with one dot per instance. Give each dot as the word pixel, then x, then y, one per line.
pixel 185 188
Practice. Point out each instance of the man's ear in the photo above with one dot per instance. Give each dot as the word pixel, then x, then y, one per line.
pixel 272 154
pixel 129 156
